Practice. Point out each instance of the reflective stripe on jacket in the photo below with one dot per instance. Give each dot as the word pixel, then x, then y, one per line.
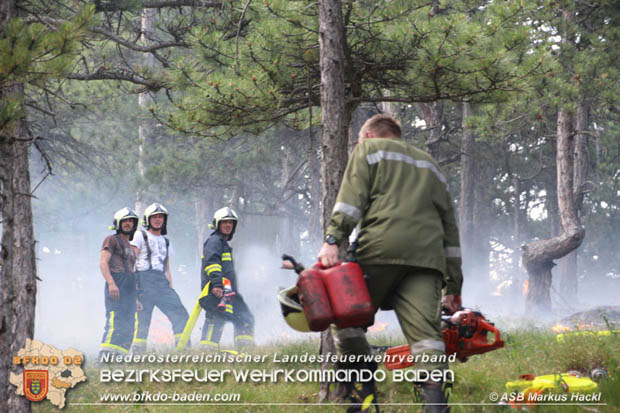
pixel 217 262
pixel 400 198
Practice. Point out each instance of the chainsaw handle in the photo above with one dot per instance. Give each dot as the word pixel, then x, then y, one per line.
pixel 296 266
pixel 492 329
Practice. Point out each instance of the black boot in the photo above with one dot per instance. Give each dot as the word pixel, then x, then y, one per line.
pixel 433 396
pixel 362 395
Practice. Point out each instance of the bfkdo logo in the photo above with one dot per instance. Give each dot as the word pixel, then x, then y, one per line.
pixel 36 384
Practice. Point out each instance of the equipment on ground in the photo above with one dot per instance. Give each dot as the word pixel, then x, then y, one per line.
pixel 560 338
pixel 191 321
pixel 464 333
pixel 531 389
pixel 334 295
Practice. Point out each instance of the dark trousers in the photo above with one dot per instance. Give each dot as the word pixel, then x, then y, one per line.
pixel 119 325
pixel 237 312
pixel 154 291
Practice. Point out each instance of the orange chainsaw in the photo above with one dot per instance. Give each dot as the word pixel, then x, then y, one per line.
pixel 464 333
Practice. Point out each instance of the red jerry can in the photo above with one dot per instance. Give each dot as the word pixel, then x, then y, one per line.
pixel 348 295
pixel 314 299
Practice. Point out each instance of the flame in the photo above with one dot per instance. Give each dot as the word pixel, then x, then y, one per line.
pixel 161 332
pixel 559 328
pixel 284 334
pixel 526 286
pixel 377 327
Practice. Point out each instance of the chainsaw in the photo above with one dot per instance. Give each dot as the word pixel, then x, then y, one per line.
pixel 464 333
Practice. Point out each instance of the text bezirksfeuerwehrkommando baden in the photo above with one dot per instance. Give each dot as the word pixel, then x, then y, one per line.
pixel 243 375
pixel 256 375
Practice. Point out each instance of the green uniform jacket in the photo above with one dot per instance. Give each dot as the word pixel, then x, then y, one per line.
pixel 400 198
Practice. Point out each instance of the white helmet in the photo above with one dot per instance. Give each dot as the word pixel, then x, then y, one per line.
pixel 155 209
pixel 292 310
pixel 224 214
pixel 122 214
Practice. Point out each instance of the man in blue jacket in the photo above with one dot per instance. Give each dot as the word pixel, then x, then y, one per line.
pixel 223 302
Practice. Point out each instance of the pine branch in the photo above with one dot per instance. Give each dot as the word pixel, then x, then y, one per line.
pixel 113 6
pixel 133 46
pixel 118 74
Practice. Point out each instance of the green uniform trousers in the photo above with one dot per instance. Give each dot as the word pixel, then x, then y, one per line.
pixel 415 294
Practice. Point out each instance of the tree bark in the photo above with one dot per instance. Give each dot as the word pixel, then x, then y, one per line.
pixel 203 208
pixel 314 162
pixel 17 257
pixel 147 24
pixel 569 264
pixel 517 224
pixel 468 187
pixel 538 256
pixel 433 117
pixel 335 119
pixel 288 236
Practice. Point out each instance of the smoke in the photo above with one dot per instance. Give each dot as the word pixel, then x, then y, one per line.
pixel 71 219
pixel 70 298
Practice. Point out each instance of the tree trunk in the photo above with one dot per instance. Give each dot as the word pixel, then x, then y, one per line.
pixel 204 209
pixel 17 258
pixel 517 223
pixel 569 264
pixel 480 235
pixel 335 119
pixel 288 236
pixel 433 117
pixel 538 256
pixel 144 99
pixel 314 161
pixel 468 187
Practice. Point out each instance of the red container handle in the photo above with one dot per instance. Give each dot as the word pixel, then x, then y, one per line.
pixel 320 266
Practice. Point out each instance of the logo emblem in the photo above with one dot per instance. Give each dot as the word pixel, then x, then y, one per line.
pixel 36 384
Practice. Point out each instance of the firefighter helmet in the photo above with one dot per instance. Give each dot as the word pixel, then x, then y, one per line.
pixel 292 311
pixel 122 214
pixel 155 209
pixel 224 214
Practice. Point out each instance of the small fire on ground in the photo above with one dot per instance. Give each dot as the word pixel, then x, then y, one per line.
pixel 559 328
pixel 377 327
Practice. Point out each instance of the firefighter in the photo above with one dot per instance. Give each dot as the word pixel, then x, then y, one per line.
pixel 408 244
pixel 154 276
pixel 223 302
pixel 117 267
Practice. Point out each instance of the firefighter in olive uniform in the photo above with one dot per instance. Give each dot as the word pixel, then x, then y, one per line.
pixel 154 277
pixel 408 245
pixel 117 267
pixel 221 299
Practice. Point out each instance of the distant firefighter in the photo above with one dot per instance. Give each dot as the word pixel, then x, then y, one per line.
pixel 223 302
pixel 117 267
pixel 154 277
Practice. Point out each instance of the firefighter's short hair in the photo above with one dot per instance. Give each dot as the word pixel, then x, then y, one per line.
pixel 381 125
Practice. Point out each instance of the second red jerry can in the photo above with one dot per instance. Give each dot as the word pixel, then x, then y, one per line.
pixel 348 295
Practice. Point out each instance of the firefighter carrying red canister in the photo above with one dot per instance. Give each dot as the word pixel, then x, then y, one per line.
pixel 407 246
